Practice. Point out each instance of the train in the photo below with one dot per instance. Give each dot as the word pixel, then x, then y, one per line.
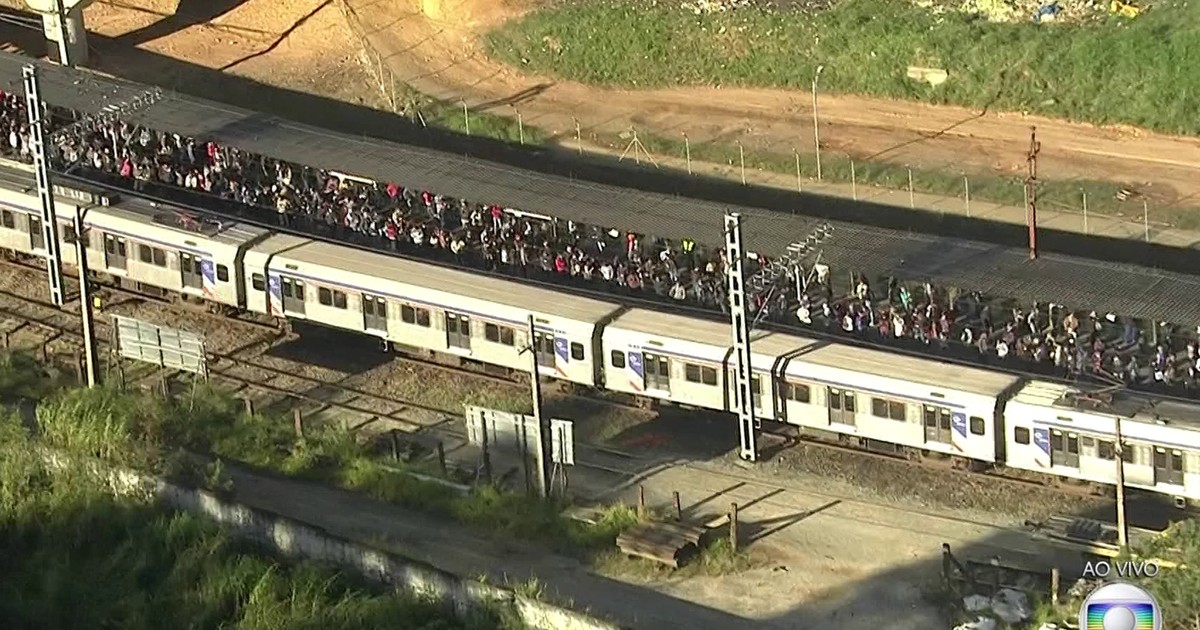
pixel 975 417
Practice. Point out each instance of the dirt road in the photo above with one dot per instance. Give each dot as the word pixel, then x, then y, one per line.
pixel 435 46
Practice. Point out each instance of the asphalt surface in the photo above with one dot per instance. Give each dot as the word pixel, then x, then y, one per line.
pixel 1084 283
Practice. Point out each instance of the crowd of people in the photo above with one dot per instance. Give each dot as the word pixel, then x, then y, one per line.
pixel 484 234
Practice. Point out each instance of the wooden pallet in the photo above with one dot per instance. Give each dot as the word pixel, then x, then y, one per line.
pixel 666 543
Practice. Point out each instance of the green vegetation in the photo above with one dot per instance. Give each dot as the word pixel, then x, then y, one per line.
pixel 1105 71
pixel 154 434
pixel 76 557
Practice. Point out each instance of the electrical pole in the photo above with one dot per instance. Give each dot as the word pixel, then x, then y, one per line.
pixel 1122 525
pixel 85 300
pixel 64 43
pixel 748 423
pixel 37 139
pixel 1035 147
pixel 543 431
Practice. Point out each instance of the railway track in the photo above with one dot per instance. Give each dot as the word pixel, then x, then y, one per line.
pixel 227 366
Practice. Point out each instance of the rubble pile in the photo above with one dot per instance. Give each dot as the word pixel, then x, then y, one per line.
pixel 708 7
pixel 1009 11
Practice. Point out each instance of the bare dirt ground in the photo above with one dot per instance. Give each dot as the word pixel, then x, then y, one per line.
pixel 435 46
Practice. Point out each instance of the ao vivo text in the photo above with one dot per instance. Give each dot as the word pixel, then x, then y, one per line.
pixel 1121 569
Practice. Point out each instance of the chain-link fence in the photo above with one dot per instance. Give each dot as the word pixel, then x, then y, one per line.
pixel 796 162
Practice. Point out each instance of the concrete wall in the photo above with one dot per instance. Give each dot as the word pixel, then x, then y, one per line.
pixel 300 540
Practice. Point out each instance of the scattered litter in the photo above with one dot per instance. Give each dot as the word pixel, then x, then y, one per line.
pixel 1011 606
pixel 982 623
pixel 1048 626
pixel 976 603
pixel 708 7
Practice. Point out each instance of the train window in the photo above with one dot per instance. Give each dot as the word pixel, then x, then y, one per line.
pixel 339 299
pixel 890 409
pixel 144 253
pixel 978 426
pixel 258 282
pixel 152 255
pixel 1021 435
pixel 325 296
pixel 796 392
pixel 415 316
pixel 708 375
pixel 617 358
pixel 8 220
pixel 691 372
pixel 576 351
pixel 499 334
pixel 222 273
pixel 756 386
pixel 1104 449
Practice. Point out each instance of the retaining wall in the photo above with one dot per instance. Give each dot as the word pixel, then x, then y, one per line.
pixel 295 539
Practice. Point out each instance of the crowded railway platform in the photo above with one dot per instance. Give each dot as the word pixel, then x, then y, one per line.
pixel 484 234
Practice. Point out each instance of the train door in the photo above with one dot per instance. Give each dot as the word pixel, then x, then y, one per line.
pixel 190 271
pixel 938 423
pixel 115 251
pixel 842 407
pixel 374 311
pixel 458 330
pixel 658 372
pixel 293 296
pixel 37 239
pixel 543 348
pixel 1064 449
pixel 1168 466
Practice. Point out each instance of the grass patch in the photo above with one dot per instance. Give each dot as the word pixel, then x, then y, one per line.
pixel 77 557
pixel 1105 71
pixel 151 433
pixel 426 110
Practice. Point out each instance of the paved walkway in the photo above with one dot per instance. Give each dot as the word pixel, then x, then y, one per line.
pixel 822 560
pixel 387 30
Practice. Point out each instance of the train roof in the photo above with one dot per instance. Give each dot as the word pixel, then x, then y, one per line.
pixel 911 369
pixel 17 177
pixel 1113 403
pixel 707 332
pixel 464 285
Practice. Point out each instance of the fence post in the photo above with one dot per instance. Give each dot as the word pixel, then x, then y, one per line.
pixel 799 187
pixel 742 159
pixel 1146 219
pixel 249 406
pixel 733 526
pixel 967 195
pixel 912 203
pixel 298 422
pixel 578 135
pixel 78 366
pixel 853 181
pixel 441 453
pixel 1054 577
pixel 678 507
pixel 1085 218
pixel 687 152
pixel 641 502
pixel 466 117
pixel 520 126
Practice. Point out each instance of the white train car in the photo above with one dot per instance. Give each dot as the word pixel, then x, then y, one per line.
pixel 1055 429
pixel 426 307
pixel 880 398
pixel 192 255
pixel 137 244
pixel 689 361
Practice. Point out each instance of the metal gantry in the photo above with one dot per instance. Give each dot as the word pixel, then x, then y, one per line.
pixel 748 422
pixel 35 109
pixel 735 253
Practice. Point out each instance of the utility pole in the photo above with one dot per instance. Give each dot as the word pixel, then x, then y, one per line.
pixel 748 423
pixel 816 119
pixel 543 431
pixel 64 43
pixel 1035 147
pixel 37 139
pixel 1122 525
pixel 85 300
